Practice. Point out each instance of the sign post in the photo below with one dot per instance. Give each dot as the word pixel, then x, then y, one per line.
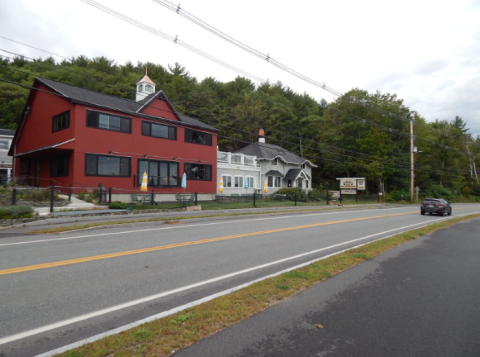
pixel 356 190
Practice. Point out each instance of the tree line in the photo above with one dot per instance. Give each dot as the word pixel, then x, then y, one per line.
pixel 360 134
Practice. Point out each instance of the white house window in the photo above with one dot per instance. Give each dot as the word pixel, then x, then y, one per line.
pixel 303 166
pixel 251 182
pixel 236 159
pixel 275 162
pixel 4 144
pixel 140 88
pixel 227 180
pixel 148 88
pixel 238 181
pixel 274 181
pixel 249 160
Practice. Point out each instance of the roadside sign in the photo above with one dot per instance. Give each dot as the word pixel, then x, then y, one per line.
pixel 352 183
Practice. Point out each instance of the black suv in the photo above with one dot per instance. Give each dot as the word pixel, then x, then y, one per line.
pixel 435 205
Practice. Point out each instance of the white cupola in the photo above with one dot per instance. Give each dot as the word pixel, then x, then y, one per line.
pixel 145 87
pixel 261 136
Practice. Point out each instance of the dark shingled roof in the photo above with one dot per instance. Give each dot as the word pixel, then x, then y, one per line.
pixel 7 132
pixel 274 173
pixel 86 96
pixel 292 174
pixel 270 152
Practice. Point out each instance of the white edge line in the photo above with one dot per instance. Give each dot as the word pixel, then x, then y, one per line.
pixel 164 228
pixel 193 303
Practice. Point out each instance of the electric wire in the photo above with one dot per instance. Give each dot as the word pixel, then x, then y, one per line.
pixel 213 123
pixel 171 38
pixel 76 74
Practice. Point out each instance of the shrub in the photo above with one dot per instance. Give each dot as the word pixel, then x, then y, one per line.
pixel 436 191
pixel 117 205
pixel 81 195
pixel 397 195
pixel 13 212
pixel 292 192
pixel 315 195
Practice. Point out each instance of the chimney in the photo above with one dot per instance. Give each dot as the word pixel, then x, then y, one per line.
pixel 261 136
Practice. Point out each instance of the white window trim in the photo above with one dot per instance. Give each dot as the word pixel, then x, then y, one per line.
pixel 240 185
pixel 225 181
pixel 252 179
pixel 274 181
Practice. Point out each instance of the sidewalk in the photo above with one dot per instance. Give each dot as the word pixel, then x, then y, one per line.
pixel 75 204
pixel 418 299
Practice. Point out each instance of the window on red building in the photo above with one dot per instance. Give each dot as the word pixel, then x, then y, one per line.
pixel 106 165
pixel 61 121
pixel 198 172
pixel 59 166
pixel 160 173
pixel 198 137
pixel 109 122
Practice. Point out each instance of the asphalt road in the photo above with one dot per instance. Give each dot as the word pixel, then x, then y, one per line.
pixel 58 289
pixel 419 299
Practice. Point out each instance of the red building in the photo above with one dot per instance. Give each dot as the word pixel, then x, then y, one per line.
pixel 82 138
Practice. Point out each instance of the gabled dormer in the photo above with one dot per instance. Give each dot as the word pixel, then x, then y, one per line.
pixel 145 87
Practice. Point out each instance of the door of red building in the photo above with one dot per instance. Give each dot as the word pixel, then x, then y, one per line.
pixel 37 173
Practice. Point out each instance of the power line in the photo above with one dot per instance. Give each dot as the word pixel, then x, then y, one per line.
pixel 171 38
pixel 244 47
pixel 176 8
pixel 323 159
pixel 45 65
pixel 387 162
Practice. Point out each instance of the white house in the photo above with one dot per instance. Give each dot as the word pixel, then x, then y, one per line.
pixel 237 169
pixel 260 162
pixel 6 137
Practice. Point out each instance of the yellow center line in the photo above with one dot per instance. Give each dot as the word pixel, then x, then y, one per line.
pixel 177 245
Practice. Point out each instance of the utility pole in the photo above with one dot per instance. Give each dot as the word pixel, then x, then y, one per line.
pixel 412 173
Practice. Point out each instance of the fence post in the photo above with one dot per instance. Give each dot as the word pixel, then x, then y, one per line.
pixel 152 198
pixel 100 194
pixel 14 197
pixel 109 195
pixel 254 199
pixel 295 200
pixel 196 198
pixel 326 191
pixel 70 193
pixel 52 197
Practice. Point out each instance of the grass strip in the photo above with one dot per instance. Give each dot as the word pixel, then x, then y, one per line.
pixel 77 227
pixel 164 336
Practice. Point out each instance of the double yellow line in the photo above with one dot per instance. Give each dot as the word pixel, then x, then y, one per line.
pixel 178 245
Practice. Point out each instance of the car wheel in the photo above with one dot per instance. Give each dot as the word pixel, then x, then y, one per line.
pixel 442 213
pixel 450 213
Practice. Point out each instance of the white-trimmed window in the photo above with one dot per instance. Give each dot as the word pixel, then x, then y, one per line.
pixel 140 88
pixel 227 180
pixel 274 181
pixel 251 181
pixel 239 181
pixel 275 162
pixel 148 88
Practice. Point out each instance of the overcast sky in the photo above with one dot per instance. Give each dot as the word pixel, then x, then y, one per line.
pixel 426 52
